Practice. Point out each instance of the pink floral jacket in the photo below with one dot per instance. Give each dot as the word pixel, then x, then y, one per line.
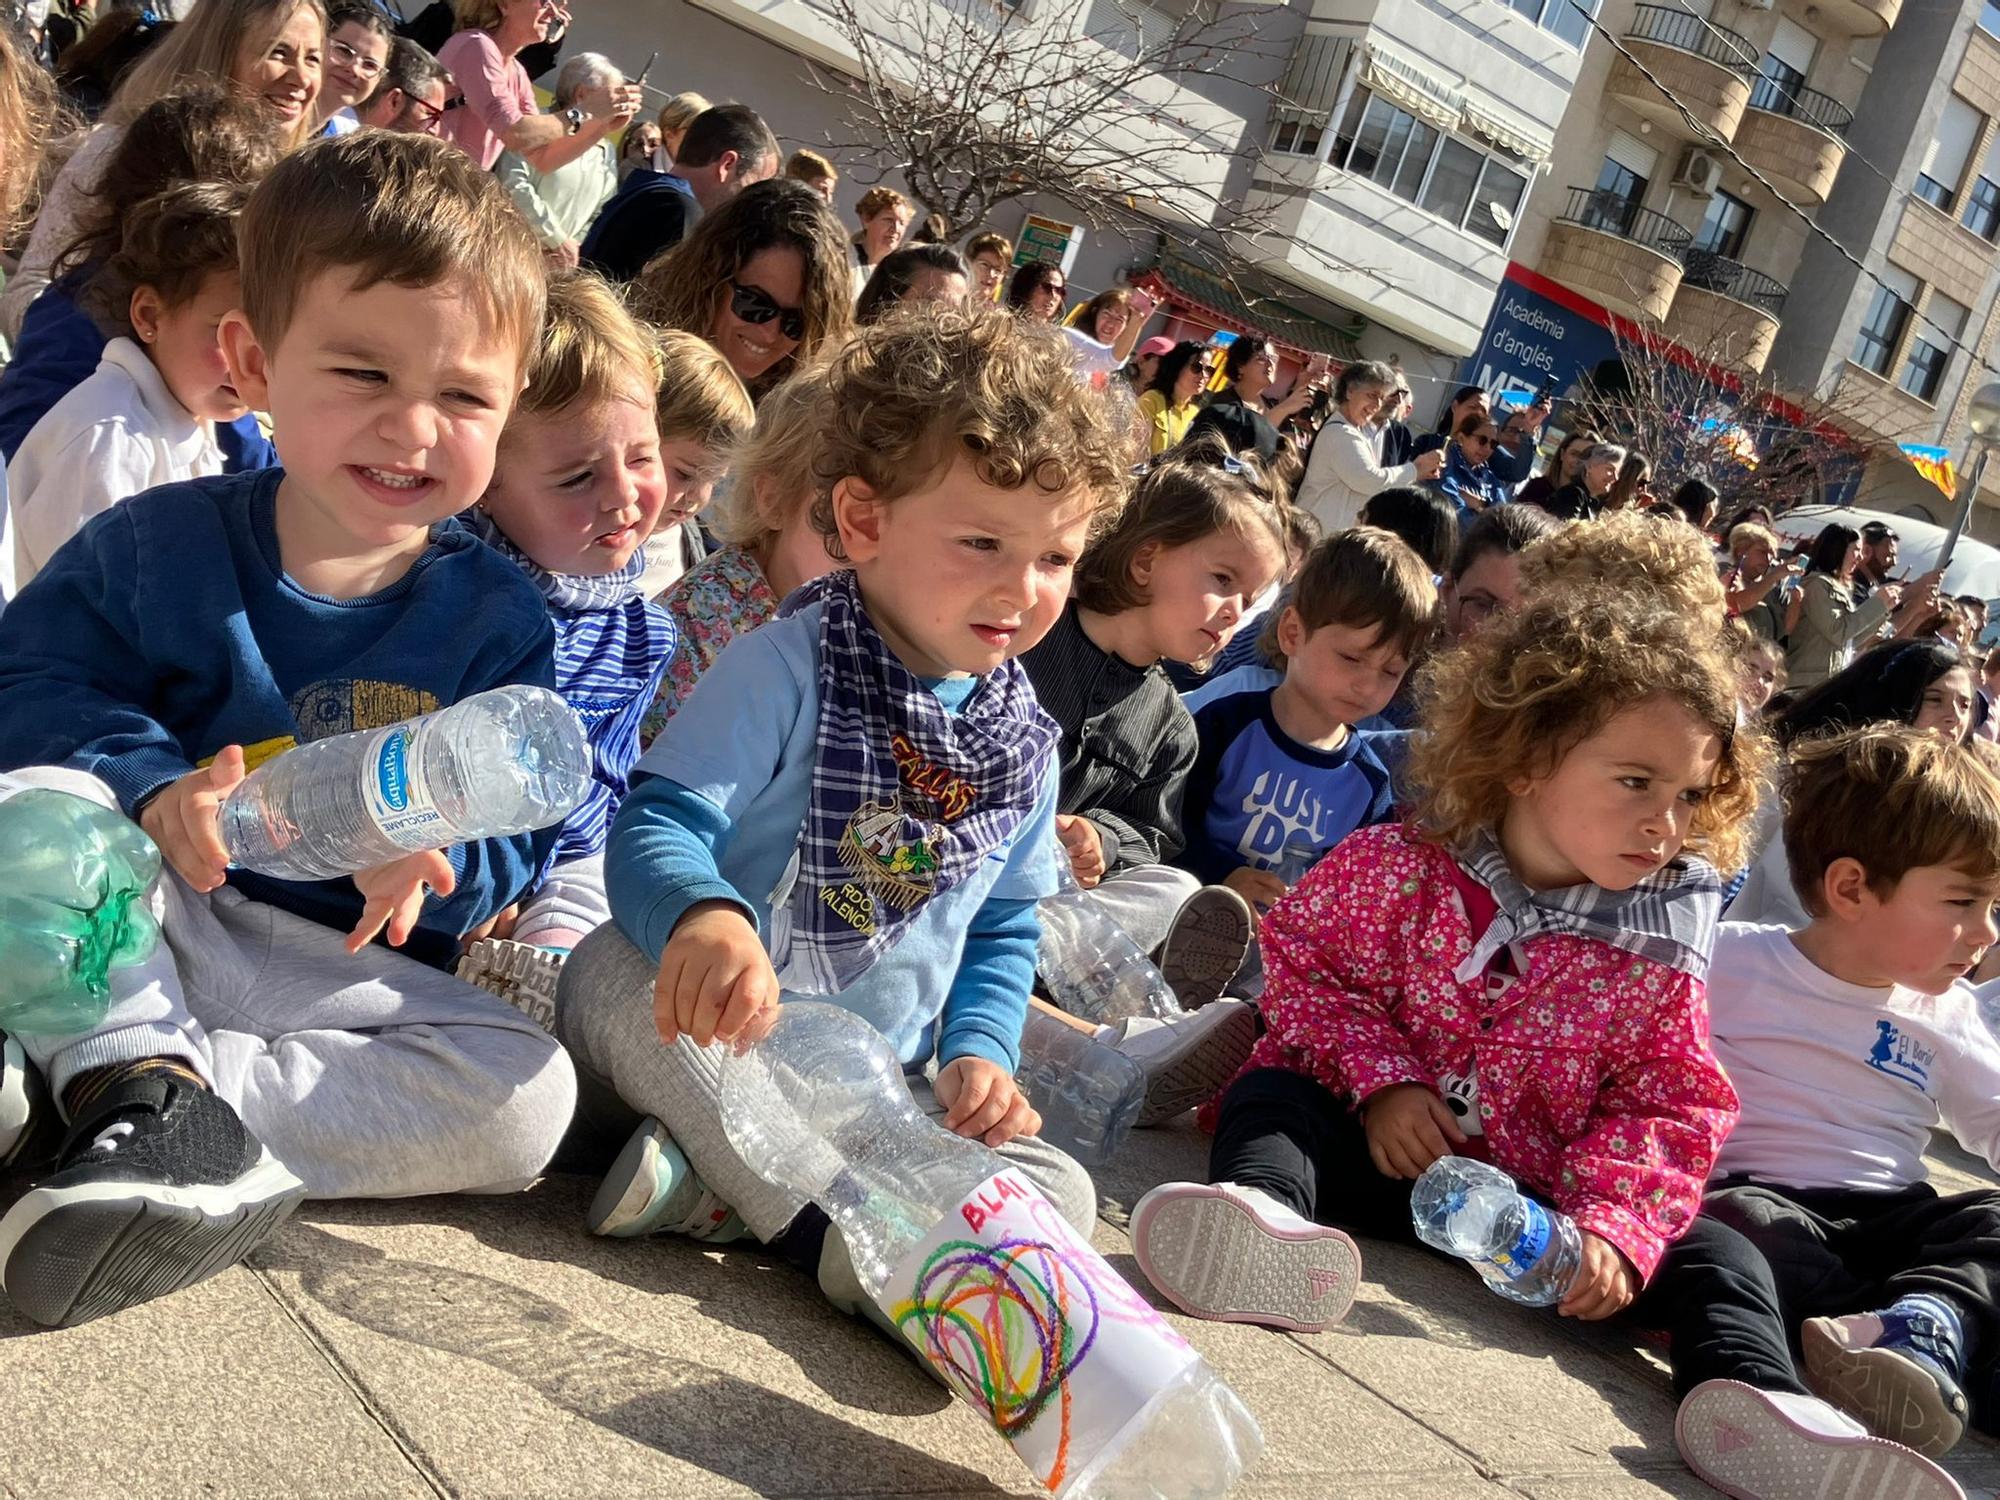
pixel 1594 1078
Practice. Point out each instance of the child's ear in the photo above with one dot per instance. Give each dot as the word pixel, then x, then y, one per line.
pixel 144 311
pixel 857 515
pixel 1844 887
pixel 1142 563
pixel 249 366
pixel 1291 632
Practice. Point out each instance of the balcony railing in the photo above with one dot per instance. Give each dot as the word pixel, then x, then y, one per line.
pixel 1611 213
pixel 1685 31
pixel 1810 105
pixel 1708 272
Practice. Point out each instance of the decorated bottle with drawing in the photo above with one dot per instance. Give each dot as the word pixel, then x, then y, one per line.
pixel 1092 969
pixel 1526 1252
pixel 1087 1092
pixel 495 764
pixel 74 882
pixel 1015 1310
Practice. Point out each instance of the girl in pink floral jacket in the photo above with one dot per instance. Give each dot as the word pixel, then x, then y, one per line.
pixel 1517 974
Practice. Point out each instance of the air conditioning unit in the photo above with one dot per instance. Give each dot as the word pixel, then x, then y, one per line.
pixel 1700 173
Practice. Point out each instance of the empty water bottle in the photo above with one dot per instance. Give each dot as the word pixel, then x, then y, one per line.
pixel 74 883
pixel 1092 969
pixel 497 764
pixel 1087 1092
pixel 1024 1320
pixel 1297 857
pixel 1526 1252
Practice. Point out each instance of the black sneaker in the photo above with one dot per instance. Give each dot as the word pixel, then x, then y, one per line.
pixel 157 1186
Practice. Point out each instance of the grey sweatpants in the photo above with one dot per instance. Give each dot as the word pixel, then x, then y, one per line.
pixel 370 1075
pixel 604 1015
pixel 1144 900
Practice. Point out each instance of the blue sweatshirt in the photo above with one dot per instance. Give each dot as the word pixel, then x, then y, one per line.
pixel 166 630
pixel 714 815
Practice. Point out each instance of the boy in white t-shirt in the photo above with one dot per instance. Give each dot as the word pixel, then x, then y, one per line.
pixel 1848 1039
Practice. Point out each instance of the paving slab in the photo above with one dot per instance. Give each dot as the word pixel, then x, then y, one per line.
pixel 215 1391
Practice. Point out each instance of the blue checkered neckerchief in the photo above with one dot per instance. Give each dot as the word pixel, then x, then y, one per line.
pixel 907 798
pixel 1669 917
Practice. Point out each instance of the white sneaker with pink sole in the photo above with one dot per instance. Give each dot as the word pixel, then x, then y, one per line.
pixel 1772 1445
pixel 1237 1255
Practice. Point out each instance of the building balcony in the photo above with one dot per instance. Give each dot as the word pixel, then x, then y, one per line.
pixel 1796 139
pixel 1707 67
pixel 1724 312
pixel 1615 253
pixel 1859 18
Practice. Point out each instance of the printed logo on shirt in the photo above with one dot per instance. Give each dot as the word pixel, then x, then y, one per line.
pixel 1901 1055
pixel 1284 812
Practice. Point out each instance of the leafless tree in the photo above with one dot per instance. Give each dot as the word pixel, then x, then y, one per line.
pixel 1102 105
pixel 1707 414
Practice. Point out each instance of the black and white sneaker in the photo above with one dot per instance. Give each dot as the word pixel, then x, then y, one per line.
pixel 159 1185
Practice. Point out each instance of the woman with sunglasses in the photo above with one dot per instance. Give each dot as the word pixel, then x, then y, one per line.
pixel 1468 480
pixel 764 278
pixel 1563 468
pixel 1168 405
pixel 357 50
pixel 1037 291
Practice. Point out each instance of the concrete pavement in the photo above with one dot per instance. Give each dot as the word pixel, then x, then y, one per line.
pixel 488 1347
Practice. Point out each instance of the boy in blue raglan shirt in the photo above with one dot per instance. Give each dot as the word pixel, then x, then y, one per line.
pixel 857 802
pixel 1281 775
pixel 268 1049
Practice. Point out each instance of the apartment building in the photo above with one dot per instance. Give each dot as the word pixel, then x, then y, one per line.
pixel 1900 349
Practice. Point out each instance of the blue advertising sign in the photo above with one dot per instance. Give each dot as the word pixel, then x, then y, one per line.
pixel 1531 339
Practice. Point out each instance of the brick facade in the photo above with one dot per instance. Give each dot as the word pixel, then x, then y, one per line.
pixel 1937 250
pixel 1625 277
pixel 1800 157
pixel 1720 329
pixel 1714 95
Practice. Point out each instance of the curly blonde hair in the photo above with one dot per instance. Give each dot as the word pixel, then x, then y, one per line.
pixel 1515 699
pixel 591 349
pixel 28 115
pixel 1626 551
pixel 771 468
pixel 932 383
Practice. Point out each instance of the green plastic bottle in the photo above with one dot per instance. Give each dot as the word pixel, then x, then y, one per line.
pixel 74 878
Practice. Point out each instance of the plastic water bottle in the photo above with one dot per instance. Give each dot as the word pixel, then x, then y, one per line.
pixel 1526 1252
pixel 1295 860
pixel 497 764
pixel 1091 967
pixel 1025 1321
pixel 1088 1093
pixel 74 882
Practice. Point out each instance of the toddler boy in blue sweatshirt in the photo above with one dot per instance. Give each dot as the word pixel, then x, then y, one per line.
pixel 269 1049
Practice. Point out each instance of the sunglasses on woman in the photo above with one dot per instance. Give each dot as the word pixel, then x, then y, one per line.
pixel 755 305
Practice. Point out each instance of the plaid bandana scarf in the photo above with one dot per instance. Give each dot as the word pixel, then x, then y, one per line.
pixel 577 591
pixel 1669 917
pixel 907 798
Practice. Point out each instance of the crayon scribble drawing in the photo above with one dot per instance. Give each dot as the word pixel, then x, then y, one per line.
pixel 1007 1324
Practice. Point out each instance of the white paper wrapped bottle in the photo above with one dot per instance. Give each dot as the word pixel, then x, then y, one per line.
pixel 1097 1394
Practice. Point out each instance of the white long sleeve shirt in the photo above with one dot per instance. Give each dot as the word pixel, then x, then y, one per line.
pixel 1842 1084
pixel 1345 469
pixel 119 432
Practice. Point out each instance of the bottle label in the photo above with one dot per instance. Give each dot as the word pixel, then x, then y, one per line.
pixel 1026 1322
pixel 405 819
pixel 1529 1246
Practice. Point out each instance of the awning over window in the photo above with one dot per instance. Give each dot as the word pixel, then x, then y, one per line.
pixel 1401 78
pixel 1493 121
pixel 1313 80
pixel 1214 301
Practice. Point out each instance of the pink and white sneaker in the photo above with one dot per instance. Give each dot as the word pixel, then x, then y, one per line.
pixel 1771 1445
pixel 1237 1255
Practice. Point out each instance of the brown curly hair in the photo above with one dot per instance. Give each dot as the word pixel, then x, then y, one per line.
pixel 1515 699
pixel 932 383
pixel 1629 550
pixel 174 241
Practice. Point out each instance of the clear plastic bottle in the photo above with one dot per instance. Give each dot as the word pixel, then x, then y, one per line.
pixel 1526 1252
pixel 1296 860
pixel 496 764
pixel 820 1105
pixel 1093 970
pixel 74 883
pixel 1087 1092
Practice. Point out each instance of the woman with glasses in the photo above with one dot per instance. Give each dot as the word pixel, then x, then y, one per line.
pixel 500 113
pixel 1346 465
pixel 559 204
pixel 764 278
pixel 1037 291
pixel 357 50
pixel 1168 406
pixel 1238 415
pixel 1468 480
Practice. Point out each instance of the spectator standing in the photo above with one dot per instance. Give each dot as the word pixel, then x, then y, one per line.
pixel 1237 415
pixel 1468 480
pixel 1697 500
pixel 725 150
pixel 1514 456
pixel 559 204
pixel 1563 467
pixel 1829 618
pixel 673 120
pixel 1760 584
pixel 411 94
pixel 357 51
pixel 1879 544
pixel 1168 406
pixel 815 171
pixel 1583 497
pixel 990 254
pixel 268 49
pixel 500 113
pixel 1346 465
pixel 885 216
pixel 1037 291
pixel 1105 330
pixel 764 279
pixel 1633 488
pixel 1399 444
pixel 637 147
pixel 90 70
pixel 915 273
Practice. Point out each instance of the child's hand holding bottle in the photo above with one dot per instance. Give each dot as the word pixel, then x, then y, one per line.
pixel 1083 847
pixel 184 820
pixel 1605 1282
pixel 983 1103
pixel 715 982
